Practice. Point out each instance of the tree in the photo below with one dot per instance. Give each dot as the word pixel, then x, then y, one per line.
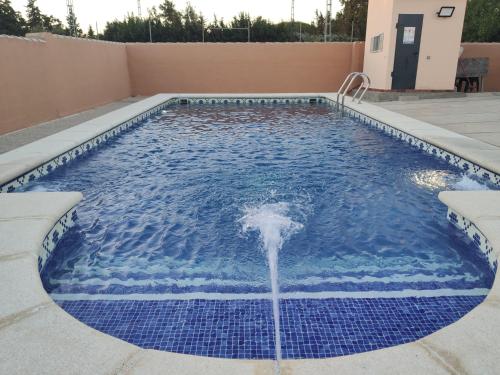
pixel 170 25
pixel 11 22
pixel 193 23
pixel 241 21
pixel 307 32
pixel 173 30
pixel 157 34
pixel 131 29
pixel 319 22
pixel 482 21
pixel 37 21
pixel 316 31
pixel 73 26
pixel 351 19
pixel 263 30
pixel 53 25
pixel 90 33
pixel 34 19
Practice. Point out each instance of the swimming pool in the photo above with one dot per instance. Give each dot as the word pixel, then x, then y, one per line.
pixel 167 254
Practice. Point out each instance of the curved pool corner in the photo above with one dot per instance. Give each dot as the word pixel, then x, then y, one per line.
pixel 34 330
pixel 36 335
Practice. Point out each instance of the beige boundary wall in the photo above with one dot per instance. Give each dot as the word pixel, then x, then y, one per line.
pixel 491 51
pixel 45 77
pixel 241 67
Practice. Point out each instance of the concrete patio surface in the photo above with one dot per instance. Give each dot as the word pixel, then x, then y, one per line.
pixel 11 141
pixel 475 116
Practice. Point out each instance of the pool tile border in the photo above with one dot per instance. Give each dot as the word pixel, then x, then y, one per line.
pixel 475 235
pixel 65 223
pixel 427 147
pixel 80 150
pixel 99 140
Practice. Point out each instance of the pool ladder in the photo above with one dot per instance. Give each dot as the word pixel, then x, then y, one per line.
pixel 347 85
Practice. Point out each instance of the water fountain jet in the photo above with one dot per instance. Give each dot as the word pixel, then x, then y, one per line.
pixel 274 227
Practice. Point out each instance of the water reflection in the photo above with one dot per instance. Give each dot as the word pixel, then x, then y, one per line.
pixel 432 179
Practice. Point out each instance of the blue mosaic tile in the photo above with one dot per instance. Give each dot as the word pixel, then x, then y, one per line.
pixel 244 329
pixel 65 223
pixel 478 238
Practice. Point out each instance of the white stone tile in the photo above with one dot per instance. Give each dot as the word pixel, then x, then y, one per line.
pixel 453 141
pixel 152 362
pixel 471 344
pixel 490 138
pixel 474 127
pixel 37 204
pixel 473 204
pixel 20 286
pixel 52 342
pixel 45 149
pixel 23 235
pixel 9 170
pixel 405 359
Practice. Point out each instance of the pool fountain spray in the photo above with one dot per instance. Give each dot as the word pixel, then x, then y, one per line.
pixel 274 227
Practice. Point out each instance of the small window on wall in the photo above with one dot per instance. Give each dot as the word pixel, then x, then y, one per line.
pixel 377 43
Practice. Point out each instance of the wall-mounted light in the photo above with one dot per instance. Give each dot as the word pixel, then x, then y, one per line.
pixel 446 12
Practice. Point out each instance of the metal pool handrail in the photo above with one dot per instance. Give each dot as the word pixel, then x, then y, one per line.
pixel 341 90
pixel 345 88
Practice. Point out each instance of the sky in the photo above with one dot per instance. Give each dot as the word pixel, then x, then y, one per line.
pixel 90 12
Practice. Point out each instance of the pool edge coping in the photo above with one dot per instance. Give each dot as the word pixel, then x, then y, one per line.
pixel 430 350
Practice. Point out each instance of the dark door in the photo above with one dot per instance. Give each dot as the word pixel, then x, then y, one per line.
pixel 404 74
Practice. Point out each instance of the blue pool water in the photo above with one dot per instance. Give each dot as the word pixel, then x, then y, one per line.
pixel 182 208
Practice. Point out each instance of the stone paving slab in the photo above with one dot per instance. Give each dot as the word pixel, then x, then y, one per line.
pixel 152 362
pixel 488 137
pixel 467 345
pixel 34 230
pixel 471 128
pixel 26 218
pixel 411 359
pixel 22 137
pixel 20 275
pixel 37 204
pixel 51 342
pixel 477 116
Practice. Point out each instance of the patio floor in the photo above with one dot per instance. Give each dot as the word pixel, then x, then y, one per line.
pixel 475 116
pixel 22 137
